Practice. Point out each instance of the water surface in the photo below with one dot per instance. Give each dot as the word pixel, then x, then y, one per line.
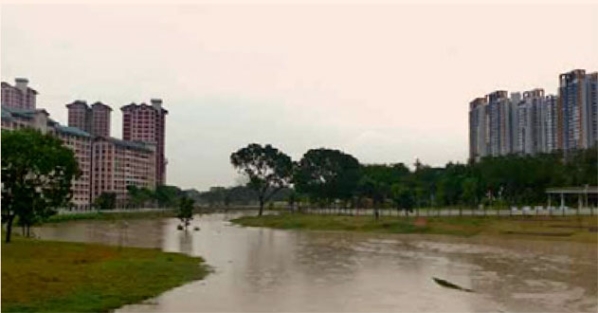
pixel 265 270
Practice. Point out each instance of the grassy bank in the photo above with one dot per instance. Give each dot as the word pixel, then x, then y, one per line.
pixel 46 276
pixel 573 228
pixel 110 216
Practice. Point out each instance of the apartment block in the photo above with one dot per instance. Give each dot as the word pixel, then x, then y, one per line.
pixel 532 122
pixel 118 164
pixel 19 96
pixel 74 138
pixel 146 123
pixel 94 119
pixel 478 129
pixel 107 164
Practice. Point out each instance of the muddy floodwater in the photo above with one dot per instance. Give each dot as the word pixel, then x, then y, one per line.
pixel 265 270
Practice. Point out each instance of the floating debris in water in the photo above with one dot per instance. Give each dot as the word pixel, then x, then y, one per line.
pixel 448 284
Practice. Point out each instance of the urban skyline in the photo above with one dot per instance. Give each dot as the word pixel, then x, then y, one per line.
pixel 107 164
pixel 531 122
pixel 375 89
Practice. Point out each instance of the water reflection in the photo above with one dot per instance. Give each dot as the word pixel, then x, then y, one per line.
pixel 271 270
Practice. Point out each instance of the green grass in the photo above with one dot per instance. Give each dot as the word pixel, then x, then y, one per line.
pixel 46 276
pixel 110 216
pixel 573 228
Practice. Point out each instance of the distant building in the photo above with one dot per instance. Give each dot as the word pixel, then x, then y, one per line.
pixel 576 106
pixel 19 96
pixel 551 124
pixel 107 164
pixel 118 164
pixel 94 120
pixel 499 120
pixel 536 123
pixel 74 138
pixel 478 133
pixel 146 123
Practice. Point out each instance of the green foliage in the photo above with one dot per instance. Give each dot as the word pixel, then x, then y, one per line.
pixel 37 172
pixel 185 213
pixel 268 170
pixel 105 201
pixel 327 174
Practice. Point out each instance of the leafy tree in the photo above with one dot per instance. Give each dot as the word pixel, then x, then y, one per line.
pixel 37 173
pixel 106 201
pixel 139 197
pixel 327 174
pixel 185 213
pixel 167 196
pixel 268 170
pixel 376 190
pixel 403 196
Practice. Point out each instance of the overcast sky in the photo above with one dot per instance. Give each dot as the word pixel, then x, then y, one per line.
pixel 385 83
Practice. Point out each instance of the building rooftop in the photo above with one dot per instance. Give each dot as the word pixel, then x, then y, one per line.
pixel 71 130
pixel 134 105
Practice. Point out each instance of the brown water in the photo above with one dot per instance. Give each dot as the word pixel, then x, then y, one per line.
pixel 263 270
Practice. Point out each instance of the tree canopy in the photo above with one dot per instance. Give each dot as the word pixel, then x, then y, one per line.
pixel 37 173
pixel 268 170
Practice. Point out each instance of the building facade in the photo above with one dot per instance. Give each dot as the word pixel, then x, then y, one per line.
pixel 478 129
pixel 94 119
pixel 19 96
pixel 118 164
pixel 107 164
pixel 537 123
pixel 146 123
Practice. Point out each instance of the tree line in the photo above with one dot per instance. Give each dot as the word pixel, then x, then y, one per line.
pixel 326 176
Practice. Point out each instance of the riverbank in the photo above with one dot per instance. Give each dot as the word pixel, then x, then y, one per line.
pixel 569 228
pixel 110 216
pixel 48 276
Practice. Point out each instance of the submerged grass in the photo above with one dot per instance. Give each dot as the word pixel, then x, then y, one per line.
pixel 571 228
pixel 47 276
pixel 110 216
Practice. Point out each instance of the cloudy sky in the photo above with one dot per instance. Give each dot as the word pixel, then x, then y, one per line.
pixel 385 83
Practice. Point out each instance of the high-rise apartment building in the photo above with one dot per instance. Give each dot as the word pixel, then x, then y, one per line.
pixel 499 123
pixel 537 123
pixel 146 123
pixel 94 120
pixel 118 164
pixel 550 116
pixel 575 107
pixel 478 133
pixel 19 96
pixel 530 125
pixel 592 103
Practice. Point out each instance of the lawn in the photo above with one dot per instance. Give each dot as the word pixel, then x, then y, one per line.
pixel 46 276
pixel 571 228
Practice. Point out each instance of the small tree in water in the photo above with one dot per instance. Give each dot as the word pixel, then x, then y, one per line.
pixel 185 211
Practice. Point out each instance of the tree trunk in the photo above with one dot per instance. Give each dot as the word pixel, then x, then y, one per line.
pixel 9 227
pixel 261 207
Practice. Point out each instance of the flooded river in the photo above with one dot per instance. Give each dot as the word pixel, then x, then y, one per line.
pixel 264 270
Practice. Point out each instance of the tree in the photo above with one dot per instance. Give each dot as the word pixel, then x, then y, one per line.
pixel 105 201
pixel 376 190
pixel 167 196
pixel 37 173
pixel 403 196
pixel 326 174
pixel 185 213
pixel 268 170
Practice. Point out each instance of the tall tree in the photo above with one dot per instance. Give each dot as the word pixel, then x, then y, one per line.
pixel 268 170
pixel 327 174
pixel 37 173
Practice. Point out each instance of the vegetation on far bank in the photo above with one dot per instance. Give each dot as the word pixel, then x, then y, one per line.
pixel 570 228
pixel 46 276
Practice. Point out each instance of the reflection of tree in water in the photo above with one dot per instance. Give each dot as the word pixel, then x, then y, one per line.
pixel 186 241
